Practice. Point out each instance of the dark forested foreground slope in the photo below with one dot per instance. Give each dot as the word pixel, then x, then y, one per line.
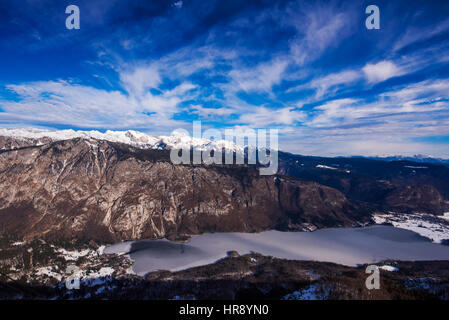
pixel 248 277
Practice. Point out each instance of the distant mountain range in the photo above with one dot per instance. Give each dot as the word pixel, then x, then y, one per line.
pixel 142 140
pixel 416 158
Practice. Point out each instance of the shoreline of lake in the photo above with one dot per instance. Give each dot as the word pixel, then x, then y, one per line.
pixel 347 246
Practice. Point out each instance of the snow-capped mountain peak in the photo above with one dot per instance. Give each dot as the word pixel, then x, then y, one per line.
pixel 135 138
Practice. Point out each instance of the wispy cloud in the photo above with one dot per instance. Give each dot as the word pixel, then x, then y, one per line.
pixel 139 80
pixel 205 112
pixel 263 117
pixel 415 34
pixel 259 78
pixel 62 102
pixel 318 27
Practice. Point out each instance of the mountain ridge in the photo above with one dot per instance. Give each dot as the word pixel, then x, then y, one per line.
pixel 30 136
pixel 142 140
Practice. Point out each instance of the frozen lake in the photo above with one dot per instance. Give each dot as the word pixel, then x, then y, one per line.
pixel 349 246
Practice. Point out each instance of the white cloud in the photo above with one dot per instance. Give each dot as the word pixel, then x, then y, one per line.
pixel 330 83
pixel 259 78
pixel 428 88
pixel 319 27
pixel 166 104
pixel 263 117
pixel 395 106
pixel 386 126
pixel 62 102
pixel 178 4
pixel 331 112
pixel 66 103
pixel 414 34
pixel 381 71
pixel 333 80
pixel 211 112
pixel 137 80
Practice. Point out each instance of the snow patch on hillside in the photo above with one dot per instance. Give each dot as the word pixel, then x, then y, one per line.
pixel 322 166
pixel 436 228
pixel 389 268
pixel 48 272
pixel 74 255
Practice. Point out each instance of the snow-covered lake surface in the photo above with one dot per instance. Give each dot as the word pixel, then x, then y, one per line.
pixel 349 246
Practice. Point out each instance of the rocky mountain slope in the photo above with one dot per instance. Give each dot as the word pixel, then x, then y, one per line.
pixel 108 191
pixel 121 185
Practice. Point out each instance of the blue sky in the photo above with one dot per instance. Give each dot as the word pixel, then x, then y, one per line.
pixel 308 68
